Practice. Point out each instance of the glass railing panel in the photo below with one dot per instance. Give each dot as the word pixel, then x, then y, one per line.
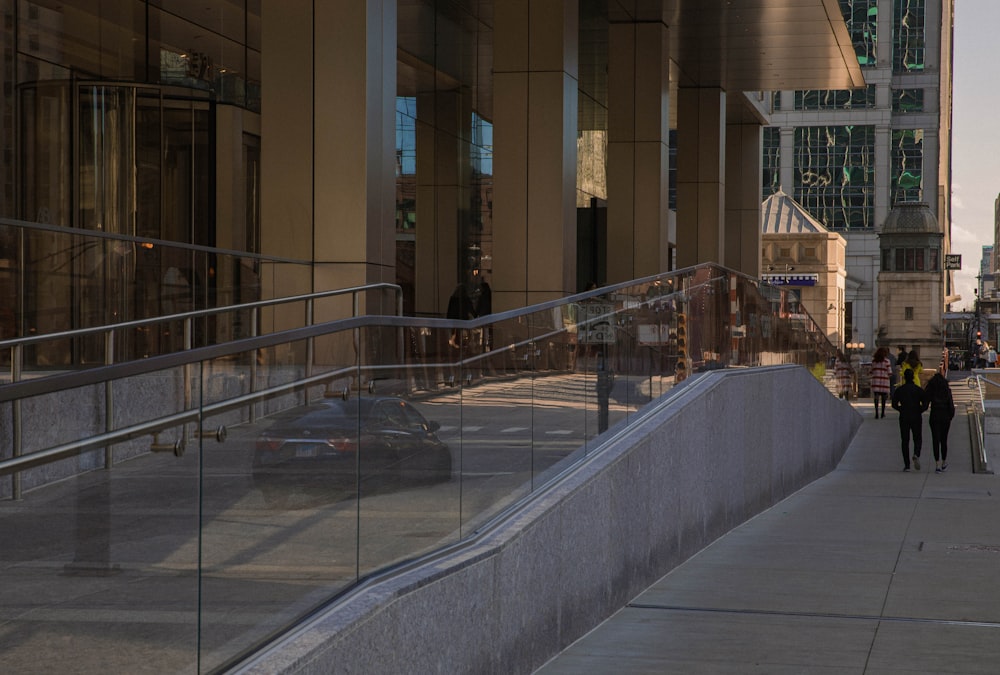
pixel 408 485
pixel 440 426
pixel 101 560
pixel 558 393
pixel 278 499
pixel 495 423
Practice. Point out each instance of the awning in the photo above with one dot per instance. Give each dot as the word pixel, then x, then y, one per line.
pixel 790 279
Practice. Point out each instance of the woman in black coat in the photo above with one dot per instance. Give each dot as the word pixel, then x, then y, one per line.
pixel 942 411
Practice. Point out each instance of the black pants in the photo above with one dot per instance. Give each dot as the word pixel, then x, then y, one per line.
pixel 879 396
pixel 907 426
pixel 939 438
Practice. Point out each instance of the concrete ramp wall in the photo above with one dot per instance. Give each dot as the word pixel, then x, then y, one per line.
pixel 715 452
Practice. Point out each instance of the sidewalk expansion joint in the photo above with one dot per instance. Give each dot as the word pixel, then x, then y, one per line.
pixel 816 615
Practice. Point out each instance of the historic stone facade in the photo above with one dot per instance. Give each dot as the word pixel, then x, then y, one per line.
pixel 911 282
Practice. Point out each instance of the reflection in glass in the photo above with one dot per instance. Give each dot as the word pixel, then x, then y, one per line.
pixel 908 43
pixel 835 174
pixel 907 165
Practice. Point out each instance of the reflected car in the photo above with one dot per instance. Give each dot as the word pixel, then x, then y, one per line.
pixel 337 445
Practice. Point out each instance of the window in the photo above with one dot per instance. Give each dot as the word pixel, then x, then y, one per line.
pixel 772 162
pixel 912 259
pixel 834 170
pixel 861 17
pixel 907 165
pixel 908 36
pixel 908 313
pixel 835 99
pixel 907 100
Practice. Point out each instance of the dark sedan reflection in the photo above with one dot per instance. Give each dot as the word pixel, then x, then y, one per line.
pixel 329 449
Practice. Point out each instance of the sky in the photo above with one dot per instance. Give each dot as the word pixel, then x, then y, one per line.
pixel 975 160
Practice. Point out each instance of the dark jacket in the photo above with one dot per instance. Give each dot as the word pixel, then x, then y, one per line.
pixel 940 398
pixel 910 400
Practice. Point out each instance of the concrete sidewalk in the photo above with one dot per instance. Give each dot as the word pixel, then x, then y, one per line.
pixel 867 570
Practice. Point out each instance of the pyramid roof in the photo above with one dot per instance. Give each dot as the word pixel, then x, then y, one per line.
pixel 783 215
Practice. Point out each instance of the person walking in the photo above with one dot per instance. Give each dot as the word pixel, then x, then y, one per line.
pixel 897 367
pixel 913 363
pixel 980 353
pixel 881 373
pixel 942 412
pixel 911 402
pixel 844 375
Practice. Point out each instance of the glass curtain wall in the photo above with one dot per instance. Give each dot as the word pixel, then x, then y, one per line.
pixel 444 142
pixel 107 121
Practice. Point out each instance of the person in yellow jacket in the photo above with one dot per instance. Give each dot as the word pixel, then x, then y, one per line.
pixel 913 363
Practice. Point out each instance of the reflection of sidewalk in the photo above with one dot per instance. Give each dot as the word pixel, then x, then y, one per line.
pixel 868 569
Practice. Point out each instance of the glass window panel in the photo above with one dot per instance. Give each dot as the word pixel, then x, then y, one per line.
pixel 835 99
pixel 932 263
pixel 772 161
pixel 907 165
pixel 919 260
pixel 900 260
pixel 226 19
pixel 93 38
pixel 834 170
pixel 908 36
pixel 191 56
pixel 861 17
pixel 907 100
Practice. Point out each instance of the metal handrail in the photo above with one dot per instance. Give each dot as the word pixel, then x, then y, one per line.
pixel 17 345
pixel 975 381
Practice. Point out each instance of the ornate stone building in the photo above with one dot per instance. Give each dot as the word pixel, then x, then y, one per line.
pixel 911 281
pixel 798 252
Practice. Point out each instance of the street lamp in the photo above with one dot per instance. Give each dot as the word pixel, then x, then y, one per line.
pixel 854 346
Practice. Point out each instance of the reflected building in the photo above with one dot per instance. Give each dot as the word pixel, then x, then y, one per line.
pixel 412 142
pixel 850 156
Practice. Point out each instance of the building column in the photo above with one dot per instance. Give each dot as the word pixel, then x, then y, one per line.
pixel 328 182
pixel 638 150
pixel 444 121
pixel 787 161
pixel 701 186
pixel 535 79
pixel 744 177
pixel 883 189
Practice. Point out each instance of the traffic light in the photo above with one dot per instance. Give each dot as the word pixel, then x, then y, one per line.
pixel 683 367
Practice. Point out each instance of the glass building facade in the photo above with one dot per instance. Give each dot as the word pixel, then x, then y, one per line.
pixel 850 156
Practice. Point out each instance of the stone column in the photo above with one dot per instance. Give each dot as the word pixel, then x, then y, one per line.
pixel 638 149
pixel 701 186
pixel 534 163
pixel 328 141
pixel 744 175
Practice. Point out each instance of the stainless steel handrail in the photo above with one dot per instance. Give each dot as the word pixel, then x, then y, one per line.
pixel 17 345
pixel 976 381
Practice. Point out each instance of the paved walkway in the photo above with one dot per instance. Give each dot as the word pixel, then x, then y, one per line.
pixel 868 570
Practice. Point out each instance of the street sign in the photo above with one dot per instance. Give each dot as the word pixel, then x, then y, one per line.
pixel 596 321
pixel 953 261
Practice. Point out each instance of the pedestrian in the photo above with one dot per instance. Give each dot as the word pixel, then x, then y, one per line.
pixel 881 373
pixel 991 356
pixel 942 412
pixel 844 375
pixel 913 363
pixel 897 366
pixel 911 402
pixel 979 350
